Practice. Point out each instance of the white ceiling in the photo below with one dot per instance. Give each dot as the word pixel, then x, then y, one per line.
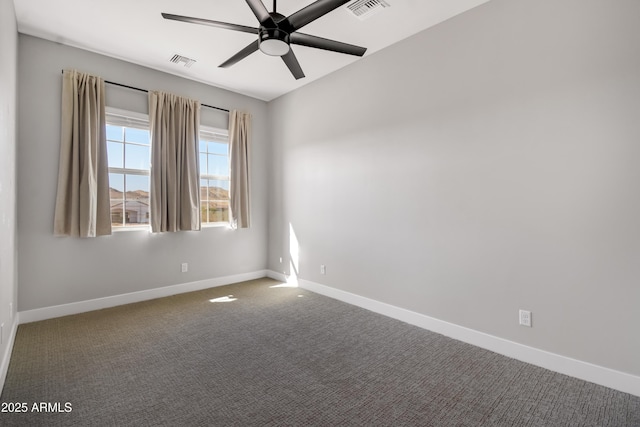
pixel 133 30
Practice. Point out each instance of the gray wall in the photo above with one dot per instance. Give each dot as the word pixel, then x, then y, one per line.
pixel 484 165
pixel 8 121
pixel 56 270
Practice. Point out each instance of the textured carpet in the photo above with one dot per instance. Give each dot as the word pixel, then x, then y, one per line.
pixel 278 356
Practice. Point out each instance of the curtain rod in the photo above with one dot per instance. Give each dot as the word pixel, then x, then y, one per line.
pixel 146 91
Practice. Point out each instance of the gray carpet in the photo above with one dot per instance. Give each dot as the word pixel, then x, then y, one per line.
pixel 281 357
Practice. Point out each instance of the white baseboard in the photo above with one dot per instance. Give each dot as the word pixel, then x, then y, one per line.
pixel 576 368
pixel 38 314
pixel 6 356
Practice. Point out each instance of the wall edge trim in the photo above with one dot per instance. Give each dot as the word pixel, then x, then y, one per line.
pixel 6 357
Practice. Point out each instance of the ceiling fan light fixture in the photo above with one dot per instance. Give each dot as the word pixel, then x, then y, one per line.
pixel 273 42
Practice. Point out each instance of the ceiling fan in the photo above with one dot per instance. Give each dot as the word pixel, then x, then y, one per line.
pixel 277 32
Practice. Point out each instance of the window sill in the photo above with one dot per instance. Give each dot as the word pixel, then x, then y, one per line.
pixel 131 228
pixel 217 225
pixel 147 228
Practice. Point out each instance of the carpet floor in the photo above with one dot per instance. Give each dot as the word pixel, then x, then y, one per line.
pixel 260 354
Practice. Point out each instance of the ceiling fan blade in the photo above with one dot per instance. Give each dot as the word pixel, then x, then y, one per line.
pixel 240 55
pixel 210 23
pixel 326 44
pixel 310 13
pixel 292 63
pixel 258 8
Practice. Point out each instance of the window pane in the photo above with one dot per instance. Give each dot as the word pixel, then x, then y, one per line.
pixel 216 211
pixel 218 165
pixel 114 133
pixel 219 211
pixel 204 212
pixel 114 154
pixel 209 194
pixel 136 212
pixel 137 187
pixel 220 189
pixel 116 188
pixel 137 157
pixel 203 164
pixel 137 200
pixel 203 146
pixel 214 200
pixel 219 148
pixel 117 215
pixel 203 190
pixel 116 183
pixel 140 136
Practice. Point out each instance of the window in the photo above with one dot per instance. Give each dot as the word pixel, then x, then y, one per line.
pixel 129 154
pixel 129 158
pixel 214 175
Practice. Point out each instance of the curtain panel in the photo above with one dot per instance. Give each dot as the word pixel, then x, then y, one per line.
pixel 175 178
pixel 82 200
pixel 239 134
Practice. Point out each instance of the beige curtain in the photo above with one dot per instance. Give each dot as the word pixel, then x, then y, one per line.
pixel 239 133
pixel 175 178
pixel 82 201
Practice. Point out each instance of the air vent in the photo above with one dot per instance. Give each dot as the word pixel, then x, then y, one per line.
pixel 363 9
pixel 179 59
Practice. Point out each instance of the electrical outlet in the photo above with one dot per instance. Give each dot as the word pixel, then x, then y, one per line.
pixel 280 260
pixel 185 267
pixel 323 269
pixel 525 318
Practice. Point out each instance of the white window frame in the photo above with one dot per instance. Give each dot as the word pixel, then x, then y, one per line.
pixel 131 119
pixel 221 136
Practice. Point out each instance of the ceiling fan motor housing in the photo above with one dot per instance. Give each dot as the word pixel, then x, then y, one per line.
pixel 273 41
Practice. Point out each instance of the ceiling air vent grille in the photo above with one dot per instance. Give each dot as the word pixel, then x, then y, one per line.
pixel 363 9
pixel 179 59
